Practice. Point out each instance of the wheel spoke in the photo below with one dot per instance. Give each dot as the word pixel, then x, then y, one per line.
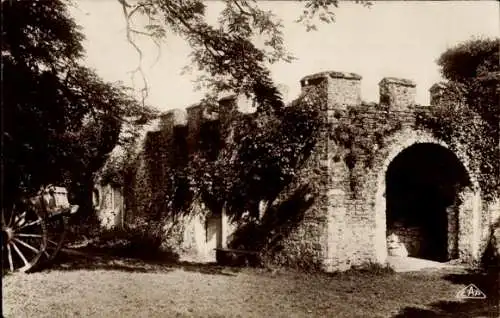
pixel 31 223
pixel 25 261
pixel 3 217
pixel 52 242
pixel 28 235
pixel 11 216
pixel 9 256
pixel 26 245
pixel 19 218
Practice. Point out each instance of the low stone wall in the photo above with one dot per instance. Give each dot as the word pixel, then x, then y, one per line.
pixel 411 237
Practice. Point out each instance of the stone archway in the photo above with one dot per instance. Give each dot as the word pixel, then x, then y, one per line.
pixel 423 184
pixel 428 197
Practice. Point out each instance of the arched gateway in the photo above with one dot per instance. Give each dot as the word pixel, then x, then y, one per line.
pixel 428 198
pixel 416 192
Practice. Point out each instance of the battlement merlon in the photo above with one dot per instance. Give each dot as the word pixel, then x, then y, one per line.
pixel 173 118
pixel 305 81
pixel 397 81
pixel 195 114
pixel 343 88
pixel 397 93
pixel 436 93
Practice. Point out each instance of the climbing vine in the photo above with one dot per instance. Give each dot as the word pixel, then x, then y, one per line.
pixel 467 114
pixel 464 130
pixel 361 134
pixel 258 156
pixel 231 166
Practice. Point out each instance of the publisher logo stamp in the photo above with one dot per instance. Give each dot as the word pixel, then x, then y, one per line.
pixel 471 292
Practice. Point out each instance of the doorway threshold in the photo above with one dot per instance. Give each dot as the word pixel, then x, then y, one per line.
pixel 412 264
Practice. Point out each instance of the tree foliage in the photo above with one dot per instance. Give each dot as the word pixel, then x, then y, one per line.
pixel 262 157
pixel 230 164
pixel 469 110
pixel 234 54
pixel 60 120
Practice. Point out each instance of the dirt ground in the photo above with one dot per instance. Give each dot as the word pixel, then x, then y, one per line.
pixel 97 286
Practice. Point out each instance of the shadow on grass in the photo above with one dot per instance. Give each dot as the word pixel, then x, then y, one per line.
pixel 70 260
pixel 487 282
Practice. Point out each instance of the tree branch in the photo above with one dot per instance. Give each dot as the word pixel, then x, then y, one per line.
pixel 241 9
pixel 138 69
pixel 188 26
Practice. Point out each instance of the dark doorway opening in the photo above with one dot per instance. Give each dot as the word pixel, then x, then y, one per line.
pixel 422 197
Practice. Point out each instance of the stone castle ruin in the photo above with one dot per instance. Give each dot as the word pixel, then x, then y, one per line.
pixel 418 197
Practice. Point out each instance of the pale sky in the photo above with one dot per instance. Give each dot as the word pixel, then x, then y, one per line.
pixel 399 39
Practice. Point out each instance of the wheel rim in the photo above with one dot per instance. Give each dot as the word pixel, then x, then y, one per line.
pixel 24 239
pixel 56 233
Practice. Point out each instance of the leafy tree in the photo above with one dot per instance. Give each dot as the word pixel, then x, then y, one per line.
pixel 59 119
pixel 468 113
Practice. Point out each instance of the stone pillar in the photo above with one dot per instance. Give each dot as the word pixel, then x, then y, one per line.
pixel 343 89
pixel 194 120
pixel 468 221
pixel 476 226
pixel 228 106
pixel 397 93
pixel 223 229
pixel 452 234
pixel 197 115
pixel 436 93
pixel 228 111
pixel 172 118
pixel 194 116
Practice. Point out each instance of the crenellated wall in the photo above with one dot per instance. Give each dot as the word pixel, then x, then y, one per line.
pixel 343 224
pixel 351 228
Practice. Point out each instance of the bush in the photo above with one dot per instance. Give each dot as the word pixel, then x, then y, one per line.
pixel 84 225
pixel 142 239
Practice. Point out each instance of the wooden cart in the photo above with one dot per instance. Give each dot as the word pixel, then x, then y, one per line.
pixel 33 232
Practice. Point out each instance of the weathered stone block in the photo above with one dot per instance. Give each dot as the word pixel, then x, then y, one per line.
pixel 343 89
pixel 397 93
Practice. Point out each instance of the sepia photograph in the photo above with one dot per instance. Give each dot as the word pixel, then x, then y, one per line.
pixel 248 158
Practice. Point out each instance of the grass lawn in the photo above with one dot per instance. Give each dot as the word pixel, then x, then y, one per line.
pixel 117 287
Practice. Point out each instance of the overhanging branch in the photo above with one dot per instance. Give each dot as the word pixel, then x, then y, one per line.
pixel 129 31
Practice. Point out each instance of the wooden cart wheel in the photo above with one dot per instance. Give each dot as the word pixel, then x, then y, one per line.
pixel 56 234
pixel 24 239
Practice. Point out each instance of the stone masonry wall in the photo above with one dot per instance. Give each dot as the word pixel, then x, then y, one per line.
pixel 353 222
pixel 303 241
pixel 411 237
pixel 342 88
pixel 397 93
pixel 356 226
